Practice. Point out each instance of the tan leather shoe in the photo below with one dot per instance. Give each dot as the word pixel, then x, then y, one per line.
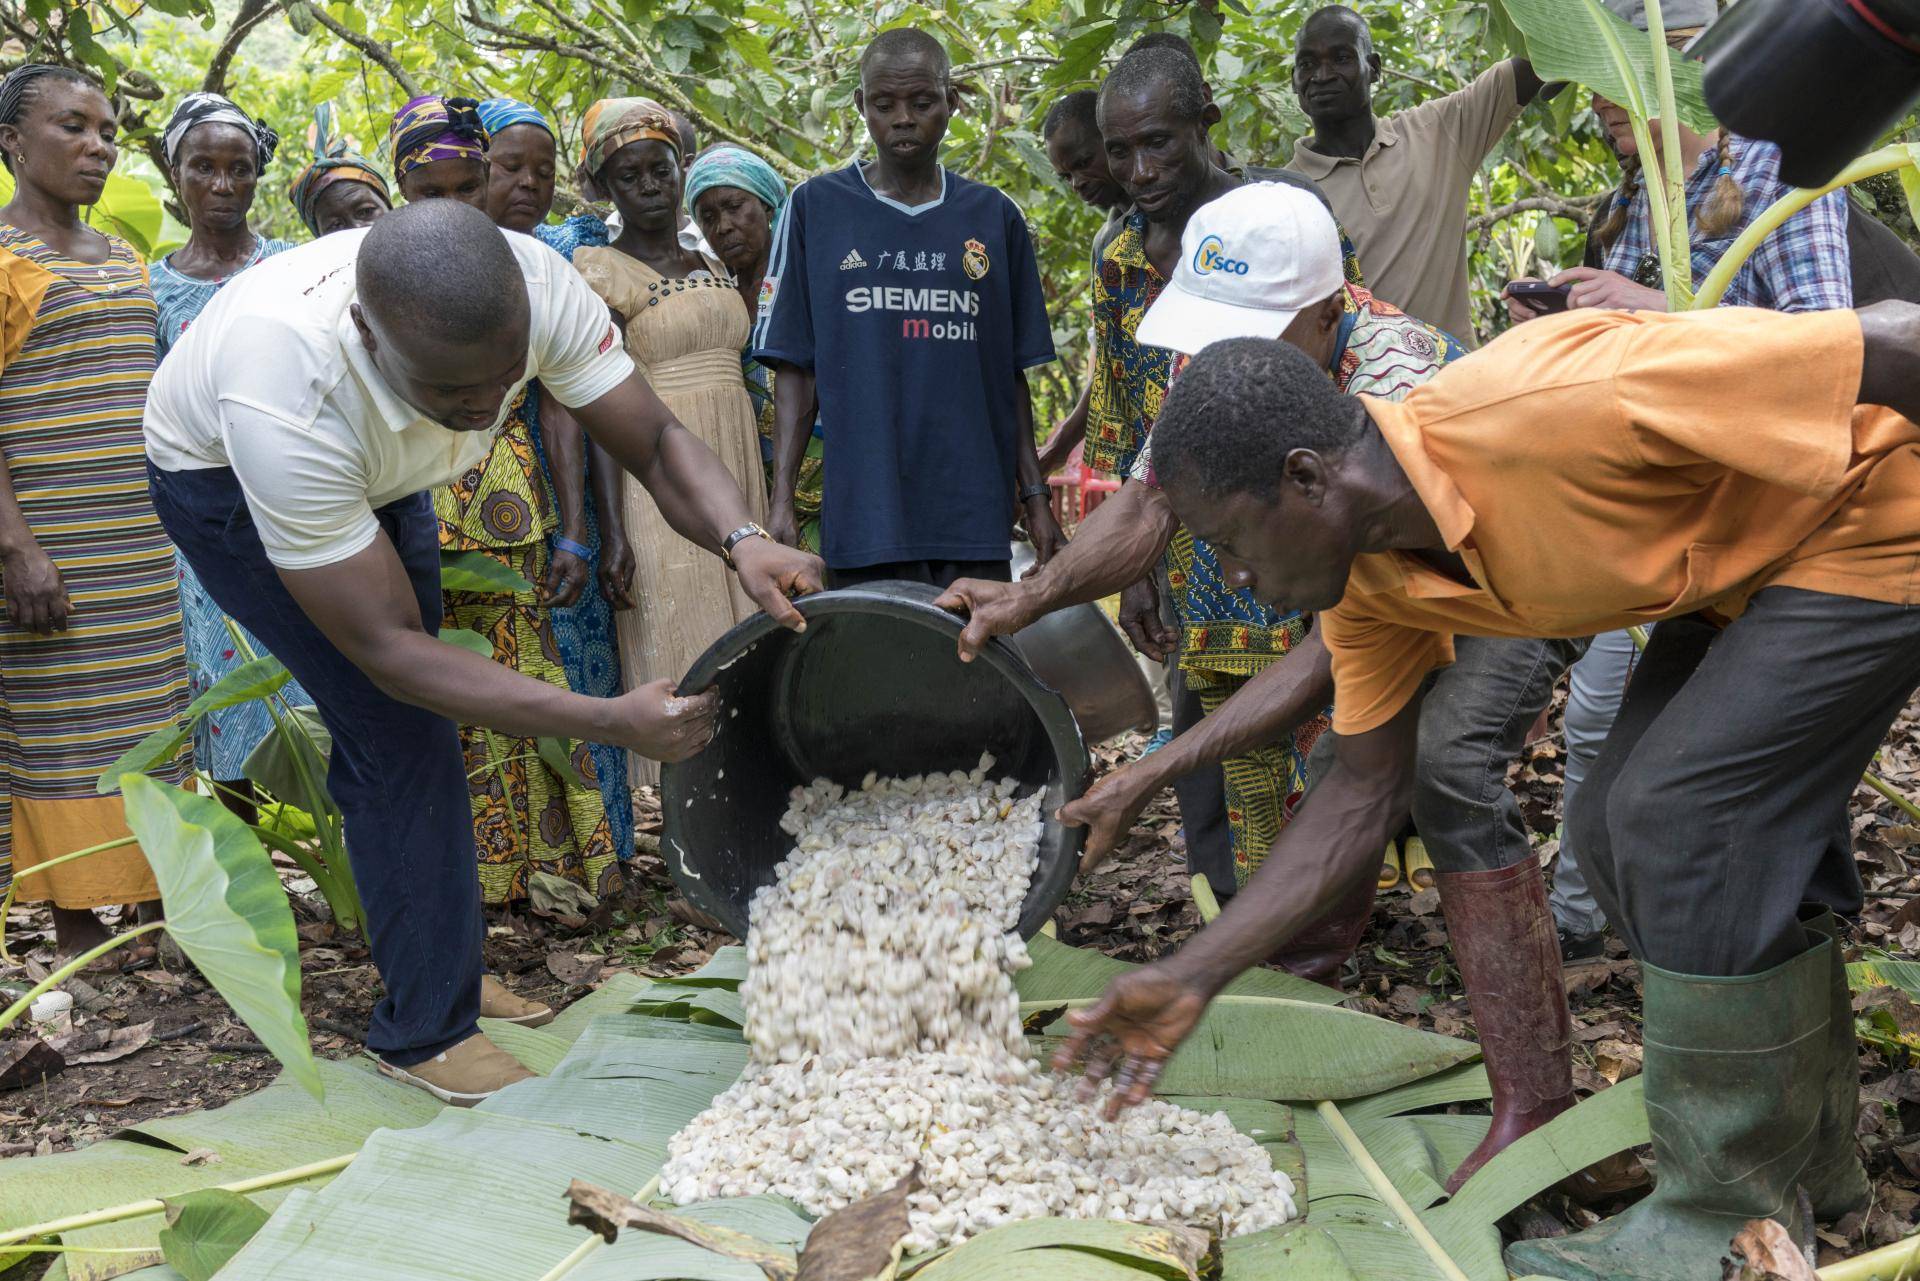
pixel 496 1002
pixel 464 1075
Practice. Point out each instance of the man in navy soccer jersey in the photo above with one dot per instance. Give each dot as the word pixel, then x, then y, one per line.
pixel 903 303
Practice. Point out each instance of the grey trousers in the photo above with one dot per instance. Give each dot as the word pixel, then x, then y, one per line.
pixel 1473 723
pixel 1719 803
pixel 1595 686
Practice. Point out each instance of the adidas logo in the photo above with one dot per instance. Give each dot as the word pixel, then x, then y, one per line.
pixel 852 261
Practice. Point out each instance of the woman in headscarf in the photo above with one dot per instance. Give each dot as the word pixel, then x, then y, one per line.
pixel 339 189
pixel 529 818
pixel 685 326
pixel 523 153
pixel 736 198
pixel 216 153
pixel 91 654
pixel 439 150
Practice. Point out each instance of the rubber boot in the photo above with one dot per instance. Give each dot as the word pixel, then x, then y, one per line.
pixel 1735 1070
pixel 1509 957
pixel 1835 1180
pixel 1321 950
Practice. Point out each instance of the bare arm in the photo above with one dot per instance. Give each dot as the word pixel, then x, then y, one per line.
pixel 796 404
pixel 1288 694
pixel 608 484
pixel 30 585
pixel 1115 546
pixel 1890 367
pixel 696 493
pixel 1333 841
pixel 566 571
pixel 366 607
pixel 1037 512
pixel 1072 430
pixel 1527 83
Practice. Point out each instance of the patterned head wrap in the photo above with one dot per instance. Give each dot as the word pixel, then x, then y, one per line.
pixel 431 128
pixel 333 161
pixel 216 109
pixel 504 113
pixel 728 166
pixel 612 123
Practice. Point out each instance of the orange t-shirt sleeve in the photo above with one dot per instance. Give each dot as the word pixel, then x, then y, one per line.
pixel 1377 665
pixel 1687 389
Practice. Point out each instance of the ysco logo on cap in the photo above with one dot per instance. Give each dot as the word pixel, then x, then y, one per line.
pixel 1211 256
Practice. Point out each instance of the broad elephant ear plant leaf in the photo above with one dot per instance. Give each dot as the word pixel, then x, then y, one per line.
pixel 1575 41
pixel 227 910
pixel 255 679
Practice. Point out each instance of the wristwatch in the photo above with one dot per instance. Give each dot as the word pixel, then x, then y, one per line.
pixel 738 536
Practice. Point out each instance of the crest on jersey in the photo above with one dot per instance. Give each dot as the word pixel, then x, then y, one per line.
pixel 974 261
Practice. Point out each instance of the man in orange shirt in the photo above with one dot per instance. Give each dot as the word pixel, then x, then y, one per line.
pixel 1732 471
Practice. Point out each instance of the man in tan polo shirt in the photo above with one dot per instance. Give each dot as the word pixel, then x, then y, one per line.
pixel 1749 479
pixel 1399 183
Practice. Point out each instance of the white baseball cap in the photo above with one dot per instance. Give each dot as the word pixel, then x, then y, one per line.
pixel 1249 263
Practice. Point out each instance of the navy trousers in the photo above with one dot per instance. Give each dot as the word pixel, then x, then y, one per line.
pixel 397 772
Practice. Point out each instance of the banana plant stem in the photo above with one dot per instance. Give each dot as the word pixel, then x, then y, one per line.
pixel 1889 1263
pixel 1388 1194
pixel 594 1241
pixel 71 968
pixel 139 1209
pixel 1204 899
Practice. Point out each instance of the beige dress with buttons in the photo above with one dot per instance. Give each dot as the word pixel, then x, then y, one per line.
pixel 685 337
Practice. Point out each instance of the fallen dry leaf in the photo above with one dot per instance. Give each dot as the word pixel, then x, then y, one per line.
pixel 1768 1253
pixel 857 1243
pixel 104 1045
pixel 575 969
pixel 28 1060
pixel 201 1156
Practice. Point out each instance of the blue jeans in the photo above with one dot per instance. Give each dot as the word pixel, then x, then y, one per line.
pixel 396 774
pixel 1595 687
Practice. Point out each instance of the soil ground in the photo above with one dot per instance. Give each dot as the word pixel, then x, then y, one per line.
pixel 197 1055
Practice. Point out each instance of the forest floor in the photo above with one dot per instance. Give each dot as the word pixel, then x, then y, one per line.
pixel 171 1045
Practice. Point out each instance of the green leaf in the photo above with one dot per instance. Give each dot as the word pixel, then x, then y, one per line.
pixel 1297 1250
pixel 751 48
pixel 1566 42
pixel 558 754
pixel 1910 185
pixel 295 752
pixel 468 639
pixel 1063 973
pixel 129 209
pixel 1066 1244
pixel 479 572
pixel 1255 1047
pixel 254 679
pixel 207 1228
pixel 227 911
pixel 1592 1130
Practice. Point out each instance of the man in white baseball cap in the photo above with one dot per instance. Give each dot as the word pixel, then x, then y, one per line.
pixel 1264 261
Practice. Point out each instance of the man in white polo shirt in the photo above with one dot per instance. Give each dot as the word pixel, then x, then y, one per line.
pixel 292 436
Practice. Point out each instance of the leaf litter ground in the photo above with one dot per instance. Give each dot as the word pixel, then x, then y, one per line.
pixel 197 1056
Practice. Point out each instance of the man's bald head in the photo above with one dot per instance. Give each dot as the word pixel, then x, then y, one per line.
pixel 439 268
pixel 1338 17
pixel 441 308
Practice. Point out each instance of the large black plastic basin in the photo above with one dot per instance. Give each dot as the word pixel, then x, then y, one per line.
pixel 875 684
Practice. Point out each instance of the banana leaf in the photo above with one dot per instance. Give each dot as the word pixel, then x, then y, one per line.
pixel 1597 1127
pixel 1251 1046
pixel 277 1128
pixel 1066 1244
pixel 1567 40
pixel 1063 973
pixel 227 911
pixel 1299 1250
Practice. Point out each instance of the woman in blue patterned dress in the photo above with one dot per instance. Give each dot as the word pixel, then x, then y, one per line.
pixel 217 154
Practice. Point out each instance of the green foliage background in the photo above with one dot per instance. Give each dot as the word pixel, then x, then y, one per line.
pixel 778 75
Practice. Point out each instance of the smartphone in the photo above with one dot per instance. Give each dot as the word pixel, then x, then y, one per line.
pixel 1540 295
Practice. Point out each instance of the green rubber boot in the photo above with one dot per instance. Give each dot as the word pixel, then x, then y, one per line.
pixel 1835 1179
pixel 1735 1074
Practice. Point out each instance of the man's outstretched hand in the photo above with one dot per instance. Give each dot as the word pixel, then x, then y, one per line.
pixel 772 573
pixel 1108 810
pixel 1129 1034
pixel 992 609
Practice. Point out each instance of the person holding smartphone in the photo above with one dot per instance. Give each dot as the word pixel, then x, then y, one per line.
pixel 1805 265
